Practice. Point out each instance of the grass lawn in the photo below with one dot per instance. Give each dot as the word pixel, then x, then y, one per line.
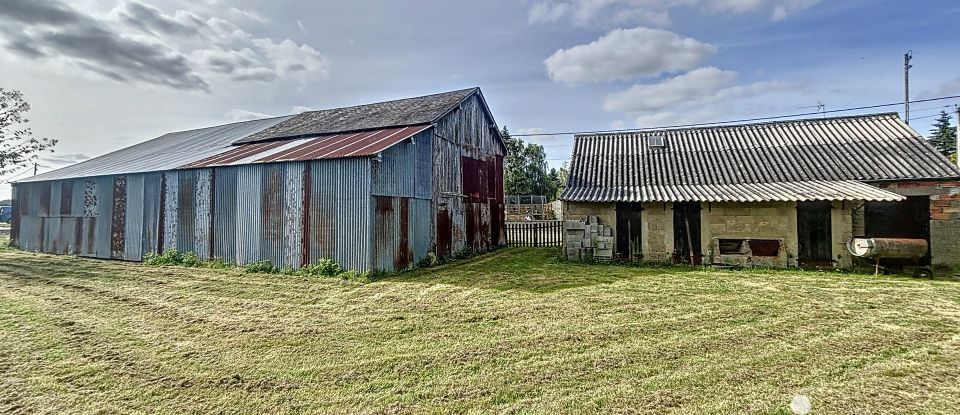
pixel 507 332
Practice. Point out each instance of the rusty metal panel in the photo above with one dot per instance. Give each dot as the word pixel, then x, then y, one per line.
pixel 248 235
pixel 186 207
pixel 271 213
pixel 171 210
pixel 133 221
pixel 43 209
pixel 444 231
pixel 66 237
pixel 225 222
pixel 332 146
pixel 118 224
pixel 202 218
pixel 392 250
pixel 293 214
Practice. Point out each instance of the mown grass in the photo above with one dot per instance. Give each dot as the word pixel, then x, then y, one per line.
pixel 508 332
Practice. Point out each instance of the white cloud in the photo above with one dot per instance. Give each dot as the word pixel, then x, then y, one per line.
pixel 700 95
pixel 652 12
pixel 245 115
pixel 627 54
pixel 683 88
pixel 137 42
pixel 788 7
pixel 300 108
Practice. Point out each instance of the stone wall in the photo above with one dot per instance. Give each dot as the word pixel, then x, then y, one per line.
pixel 657 232
pixel 774 220
pixel 944 216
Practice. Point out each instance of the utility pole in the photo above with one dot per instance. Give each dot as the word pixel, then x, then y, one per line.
pixel 957 155
pixel 906 85
pixel 34 169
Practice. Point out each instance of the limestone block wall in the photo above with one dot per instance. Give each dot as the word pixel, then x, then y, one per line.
pixel 841 222
pixel 773 220
pixel 606 213
pixel 656 238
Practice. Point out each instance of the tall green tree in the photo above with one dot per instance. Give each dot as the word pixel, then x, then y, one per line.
pixel 514 166
pixel 526 171
pixel 943 136
pixel 18 147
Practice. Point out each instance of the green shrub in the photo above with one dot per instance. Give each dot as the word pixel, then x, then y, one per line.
pixel 217 264
pixel 428 261
pixel 262 267
pixel 322 268
pixel 173 257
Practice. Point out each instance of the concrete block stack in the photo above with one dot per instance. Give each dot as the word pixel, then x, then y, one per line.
pixel 588 239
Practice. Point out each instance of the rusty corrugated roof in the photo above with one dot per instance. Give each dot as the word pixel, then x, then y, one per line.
pixel 752 161
pixel 364 143
pixel 397 113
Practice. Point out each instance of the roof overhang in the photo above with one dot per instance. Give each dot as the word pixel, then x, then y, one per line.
pixel 332 146
pixel 745 192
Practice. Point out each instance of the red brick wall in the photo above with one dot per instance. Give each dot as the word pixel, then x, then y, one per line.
pixel 944 204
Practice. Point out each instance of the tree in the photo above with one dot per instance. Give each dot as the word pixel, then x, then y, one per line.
pixel 943 137
pixel 526 171
pixel 18 147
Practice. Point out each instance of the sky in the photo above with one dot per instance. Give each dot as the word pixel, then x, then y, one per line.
pixel 102 75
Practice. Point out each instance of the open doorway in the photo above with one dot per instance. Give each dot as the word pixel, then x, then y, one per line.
pixel 814 238
pixel 905 219
pixel 686 233
pixel 629 232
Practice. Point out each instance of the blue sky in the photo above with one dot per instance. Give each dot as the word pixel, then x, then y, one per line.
pixel 102 75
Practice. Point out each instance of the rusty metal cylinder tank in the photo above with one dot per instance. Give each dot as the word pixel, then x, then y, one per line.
pixel 888 247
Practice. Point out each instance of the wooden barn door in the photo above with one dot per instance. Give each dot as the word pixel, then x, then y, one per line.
pixel 686 233
pixel 814 239
pixel 628 231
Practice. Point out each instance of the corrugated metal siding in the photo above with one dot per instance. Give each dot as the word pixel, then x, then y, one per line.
pixel 133 232
pixel 227 216
pixel 248 192
pixel 340 212
pixel 616 167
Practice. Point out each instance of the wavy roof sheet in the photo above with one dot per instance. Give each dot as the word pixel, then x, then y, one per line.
pixel 753 162
pixel 166 152
pixel 364 143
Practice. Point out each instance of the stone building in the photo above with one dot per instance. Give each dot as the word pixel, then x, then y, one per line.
pixel 789 193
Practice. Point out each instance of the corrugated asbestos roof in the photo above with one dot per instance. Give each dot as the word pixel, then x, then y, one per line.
pixel 811 159
pixel 748 192
pixel 365 143
pixel 401 112
pixel 166 152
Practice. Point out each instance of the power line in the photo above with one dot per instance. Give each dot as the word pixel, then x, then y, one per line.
pixel 742 120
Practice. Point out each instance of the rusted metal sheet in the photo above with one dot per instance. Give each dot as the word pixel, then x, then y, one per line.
pixel 186 211
pixel 170 211
pixel 364 143
pixel 16 216
pixel 102 242
pixel 293 215
pixel 444 231
pixel 271 219
pixel 118 225
pixel 202 213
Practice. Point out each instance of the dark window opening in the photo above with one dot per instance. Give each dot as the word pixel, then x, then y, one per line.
pixel 906 219
pixel 765 247
pixel 629 231
pixel 731 246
